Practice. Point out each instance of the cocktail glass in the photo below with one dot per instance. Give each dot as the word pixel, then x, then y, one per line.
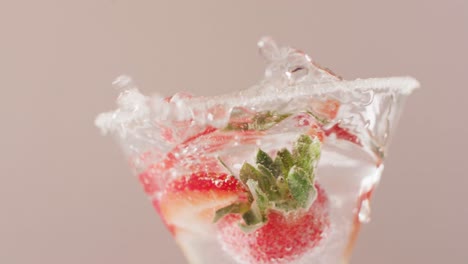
pixel 282 172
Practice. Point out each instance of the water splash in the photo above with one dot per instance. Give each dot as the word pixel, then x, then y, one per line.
pixel 291 66
pixel 132 109
pixel 293 82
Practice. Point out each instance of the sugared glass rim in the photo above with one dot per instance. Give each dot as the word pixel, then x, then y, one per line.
pixel 259 94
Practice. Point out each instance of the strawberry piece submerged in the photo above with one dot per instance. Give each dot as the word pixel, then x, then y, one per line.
pixel 189 203
pixel 342 133
pixel 282 239
pixel 286 213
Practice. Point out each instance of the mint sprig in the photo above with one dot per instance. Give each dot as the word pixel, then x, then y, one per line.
pixel 283 183
pixel 241 119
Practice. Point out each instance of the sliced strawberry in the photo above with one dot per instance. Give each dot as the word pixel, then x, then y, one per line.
pixel 172 228
pixel 151 179
pixel 190 202
pixel 194 197
pixel 195 154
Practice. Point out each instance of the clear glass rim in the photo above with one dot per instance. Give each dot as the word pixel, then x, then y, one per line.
pixel 262 93
pixel 138 106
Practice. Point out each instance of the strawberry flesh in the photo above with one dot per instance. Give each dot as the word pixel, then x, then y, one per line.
pixel 342 133
pixel 205 182
pixel 283 238
pixel 189 203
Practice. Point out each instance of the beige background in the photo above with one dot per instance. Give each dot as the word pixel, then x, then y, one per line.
pixel 66 195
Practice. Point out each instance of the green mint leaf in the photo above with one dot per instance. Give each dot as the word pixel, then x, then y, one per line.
pixel 271 190
pixel 279 169
pixel 266 120
pixel 285 183
pixel 282 170
pixel 264 159
pixel 282 187
pixel 248 172
pixel 252 218
pixel 287 160
pixel 300 186
pixel 235 208
pixel 244 119
pixel 250 226
pixel 286 205
pixel 301 153
pixel 256 216
pixel 306 153
pixel 261 200
pixel 314 152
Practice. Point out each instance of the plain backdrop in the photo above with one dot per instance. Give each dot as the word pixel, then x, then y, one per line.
pixel 66 194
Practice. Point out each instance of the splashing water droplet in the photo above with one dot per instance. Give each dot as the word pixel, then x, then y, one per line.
pixel 290 66
pixel 123 82
pixel 364 211
pixel 133 109
pixel 268 48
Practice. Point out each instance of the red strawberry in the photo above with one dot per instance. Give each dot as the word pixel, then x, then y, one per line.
pixel 151 179
pixel 286 213
pixel 190 203
pixel 282 238
pixel 342 133
pixel 196 196
pixel 195 154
